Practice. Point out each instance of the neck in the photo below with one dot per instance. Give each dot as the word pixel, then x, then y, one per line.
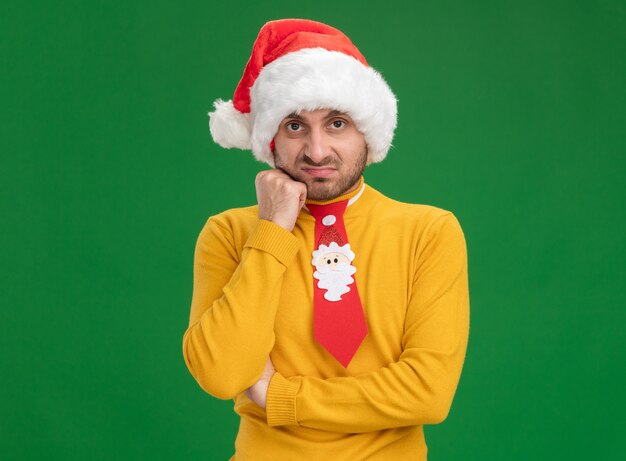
pixel 352 193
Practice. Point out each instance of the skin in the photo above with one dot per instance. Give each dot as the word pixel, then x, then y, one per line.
pixel 319 155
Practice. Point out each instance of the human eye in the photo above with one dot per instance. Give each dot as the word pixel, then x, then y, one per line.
pixel 338 123
pixel 293 126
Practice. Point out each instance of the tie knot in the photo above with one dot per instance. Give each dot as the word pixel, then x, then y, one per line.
pixel 328 214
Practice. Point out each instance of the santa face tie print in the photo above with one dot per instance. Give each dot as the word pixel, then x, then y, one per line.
pixel 334 269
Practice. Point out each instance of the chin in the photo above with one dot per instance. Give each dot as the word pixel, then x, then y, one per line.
pixel 321 189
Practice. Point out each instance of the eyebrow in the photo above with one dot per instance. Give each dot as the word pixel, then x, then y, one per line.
pixel 331 114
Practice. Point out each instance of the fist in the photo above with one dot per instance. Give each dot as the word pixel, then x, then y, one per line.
pixel 280 198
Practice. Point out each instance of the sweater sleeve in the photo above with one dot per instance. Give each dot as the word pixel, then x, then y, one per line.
pixel 418 388
pixel 234 304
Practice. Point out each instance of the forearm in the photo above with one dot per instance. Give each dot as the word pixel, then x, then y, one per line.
pixel 418 389
pixel 233 338
pixel 226 347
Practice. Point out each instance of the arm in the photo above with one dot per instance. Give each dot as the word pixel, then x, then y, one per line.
pixel 234 304
pixel 419 387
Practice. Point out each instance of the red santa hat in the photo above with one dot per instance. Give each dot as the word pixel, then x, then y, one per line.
pixel 331 242
pixel 298 64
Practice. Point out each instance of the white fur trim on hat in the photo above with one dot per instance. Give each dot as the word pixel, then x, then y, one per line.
pixel 316 78
pixel 229 127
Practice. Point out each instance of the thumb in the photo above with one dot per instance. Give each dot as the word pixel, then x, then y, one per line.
pixel 303 197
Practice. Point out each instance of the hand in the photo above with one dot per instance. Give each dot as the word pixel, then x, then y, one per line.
pixel 258 391
pixel 280 198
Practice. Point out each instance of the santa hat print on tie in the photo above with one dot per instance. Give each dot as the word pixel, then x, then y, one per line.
pixel 339 323
pixel 299 64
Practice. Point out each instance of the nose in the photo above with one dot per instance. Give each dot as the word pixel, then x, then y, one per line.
pixel 318 147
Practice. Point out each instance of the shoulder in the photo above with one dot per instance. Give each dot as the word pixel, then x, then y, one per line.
pixel 416 215
pixel 235 217
pixel 418 225
pixel 235 224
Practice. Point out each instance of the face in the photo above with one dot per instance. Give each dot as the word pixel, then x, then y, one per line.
pixel 332 261
pixel 322 149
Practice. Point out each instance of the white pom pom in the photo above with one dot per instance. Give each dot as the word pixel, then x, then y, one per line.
pixel 229 127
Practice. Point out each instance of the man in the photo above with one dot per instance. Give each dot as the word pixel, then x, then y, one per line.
pixel 335 317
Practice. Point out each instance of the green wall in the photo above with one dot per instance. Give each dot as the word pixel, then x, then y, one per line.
pixel 511 114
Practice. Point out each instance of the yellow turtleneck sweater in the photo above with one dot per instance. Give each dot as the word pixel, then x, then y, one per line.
pixel 253 297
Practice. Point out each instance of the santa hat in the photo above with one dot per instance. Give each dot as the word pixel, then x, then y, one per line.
pixel 298 64
pixel 331 242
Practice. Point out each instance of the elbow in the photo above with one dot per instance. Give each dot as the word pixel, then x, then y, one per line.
pixel 213 382
pixel 436 403
pixel 438 409
pixel 437 413
pixel 220 391
pixel 208 374
pixel 223 376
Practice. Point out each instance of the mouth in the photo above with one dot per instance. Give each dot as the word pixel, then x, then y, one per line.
pixel 319 172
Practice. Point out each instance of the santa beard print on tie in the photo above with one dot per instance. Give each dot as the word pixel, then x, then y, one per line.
pixel 334 269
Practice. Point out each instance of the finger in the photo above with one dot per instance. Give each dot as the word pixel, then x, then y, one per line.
pixel 284 172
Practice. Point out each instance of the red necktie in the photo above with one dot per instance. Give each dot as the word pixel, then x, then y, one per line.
pixel 338 321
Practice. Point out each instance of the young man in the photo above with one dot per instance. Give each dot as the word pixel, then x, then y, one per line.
pixel 335 317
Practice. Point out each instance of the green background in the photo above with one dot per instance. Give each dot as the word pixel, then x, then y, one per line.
pixel 511 115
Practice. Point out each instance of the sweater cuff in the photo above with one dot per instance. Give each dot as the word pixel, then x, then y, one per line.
pixel 280 404
pixel 272 238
